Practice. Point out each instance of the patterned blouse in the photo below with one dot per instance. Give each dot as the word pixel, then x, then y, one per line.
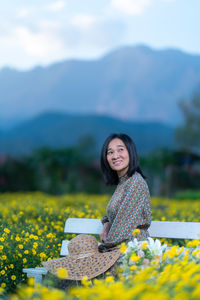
pixel 128 209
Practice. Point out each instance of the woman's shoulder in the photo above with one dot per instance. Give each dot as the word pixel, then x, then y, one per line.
pixel 136 176
pixel 137 179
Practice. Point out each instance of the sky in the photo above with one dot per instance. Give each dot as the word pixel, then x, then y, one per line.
pixel 42 32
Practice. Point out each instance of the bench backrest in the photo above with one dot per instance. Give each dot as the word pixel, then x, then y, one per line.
pixel 158 229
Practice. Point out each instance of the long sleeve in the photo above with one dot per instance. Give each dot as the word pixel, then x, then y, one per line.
pixel 134 211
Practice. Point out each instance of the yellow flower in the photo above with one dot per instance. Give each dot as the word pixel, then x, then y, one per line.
pixel 4 257
pixel 144 245
pixel 123 247
pixel 11 266
pixel 17 238
pixel 134 258
pixel 26 252
pixel 24 260
pixel 193 244
pixel 3 272
pixel 195 251
pixel 31 281
pixel 6 230
pixel 62 273
pixel 109 279
pixel 43 255
pixel 20 246
pixel 133 268
pixel 3 285
pixel 1 247
pixel 13 277
pixel 136 231
pixel 35 245
pixel 196 292
pixel 2 239
pixel 85 281
pixel 119 270
pixel 50 235
pixel 34 252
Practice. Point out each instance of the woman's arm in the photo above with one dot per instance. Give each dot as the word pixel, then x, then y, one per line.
pixel 105 230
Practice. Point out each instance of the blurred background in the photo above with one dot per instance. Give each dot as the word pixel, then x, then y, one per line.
pixel 72 72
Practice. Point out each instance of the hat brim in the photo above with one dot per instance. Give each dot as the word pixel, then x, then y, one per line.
pixel 91 266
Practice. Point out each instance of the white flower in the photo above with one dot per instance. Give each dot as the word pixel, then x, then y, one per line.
pixel 140 253
pixel 133 245
pixel 155 247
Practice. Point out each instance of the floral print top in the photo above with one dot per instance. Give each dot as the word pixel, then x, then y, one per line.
pixel 128 209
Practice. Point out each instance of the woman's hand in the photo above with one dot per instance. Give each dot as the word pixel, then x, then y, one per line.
pixel 105 230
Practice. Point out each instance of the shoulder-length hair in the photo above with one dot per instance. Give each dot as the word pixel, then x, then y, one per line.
pixel 110 176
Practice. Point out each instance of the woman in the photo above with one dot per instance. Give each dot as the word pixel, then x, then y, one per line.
pixel 129 207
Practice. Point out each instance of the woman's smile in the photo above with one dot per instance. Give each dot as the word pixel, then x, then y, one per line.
pixel 117 163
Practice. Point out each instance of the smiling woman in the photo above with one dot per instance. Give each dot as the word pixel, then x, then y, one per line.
pixel 129 207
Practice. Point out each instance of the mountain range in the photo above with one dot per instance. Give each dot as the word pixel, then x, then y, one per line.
pixel 58 130
pixel 135 83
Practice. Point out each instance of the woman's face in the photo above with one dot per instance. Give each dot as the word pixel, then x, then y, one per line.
pixel 118 156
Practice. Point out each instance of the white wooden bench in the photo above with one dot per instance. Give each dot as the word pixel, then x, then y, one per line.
pixel 158 229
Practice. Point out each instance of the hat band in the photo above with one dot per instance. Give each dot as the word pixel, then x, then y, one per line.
pixel 84 255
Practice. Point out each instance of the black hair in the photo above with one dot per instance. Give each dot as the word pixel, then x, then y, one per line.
pixel 110 176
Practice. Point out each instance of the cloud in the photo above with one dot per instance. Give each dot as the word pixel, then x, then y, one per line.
pixel 83 21
pixel 130 7
pixel 56 6
pixel 37 44
pixel 31 47
pixel 24 12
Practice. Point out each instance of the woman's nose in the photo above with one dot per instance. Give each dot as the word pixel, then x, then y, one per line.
pixel 115 155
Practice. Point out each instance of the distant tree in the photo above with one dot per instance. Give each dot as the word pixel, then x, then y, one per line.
pixel 16 175
pixel 87 146
pixel 188 135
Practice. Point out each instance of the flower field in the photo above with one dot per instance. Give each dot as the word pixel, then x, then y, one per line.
pixel 31 232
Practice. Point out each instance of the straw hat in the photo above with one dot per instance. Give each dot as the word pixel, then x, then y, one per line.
pixel 84 259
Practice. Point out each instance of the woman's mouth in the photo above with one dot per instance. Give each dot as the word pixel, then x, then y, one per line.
pixel 117 163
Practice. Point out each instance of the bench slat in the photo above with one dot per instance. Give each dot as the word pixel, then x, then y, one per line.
pixel 82 225
pixel 179 230
pixel 159 229
pixel 64 248
pixel 33 271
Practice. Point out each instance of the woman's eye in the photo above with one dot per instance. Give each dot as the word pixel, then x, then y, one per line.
pixel 109 153
pixel 121 149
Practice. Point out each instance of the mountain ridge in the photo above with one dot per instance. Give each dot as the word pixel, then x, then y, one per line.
pixel 133 82
pixel 59 130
